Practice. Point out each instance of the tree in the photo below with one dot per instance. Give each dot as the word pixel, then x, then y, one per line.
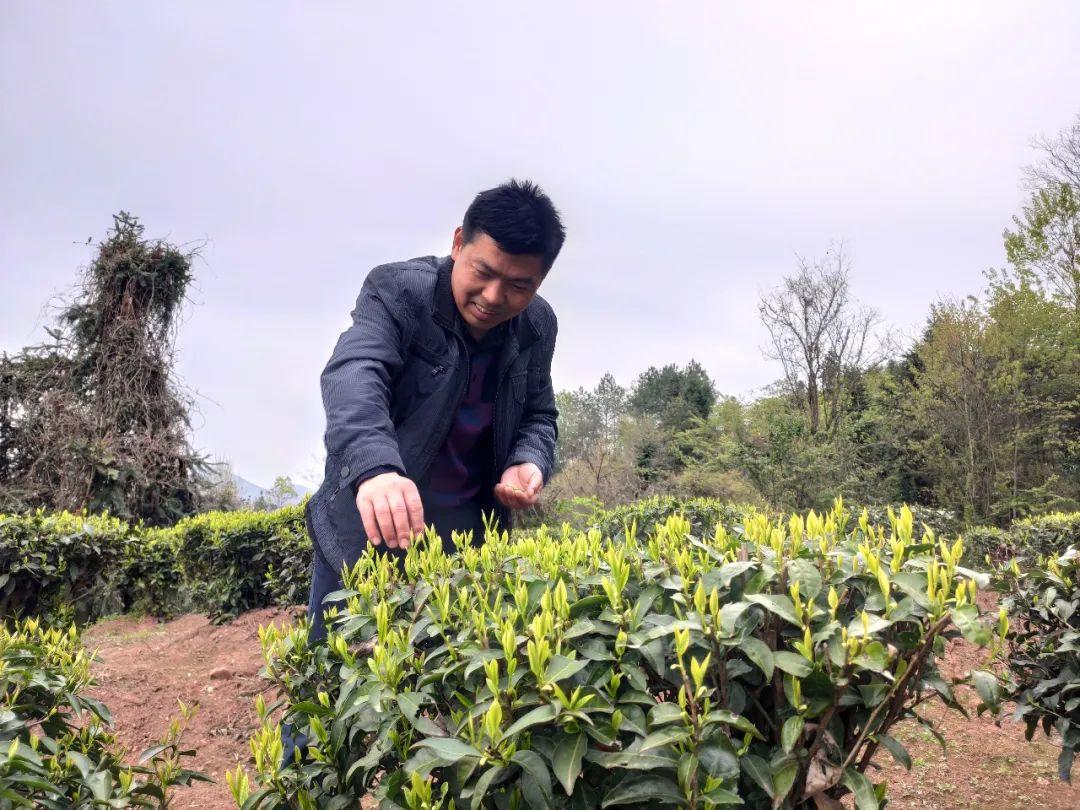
pixel 93 419
pixel 992 412
pixel 281 493
pixel 589 433
pixel 673 395
pixel 819 335
pixel 667 401
pixel 953 407
pixel 1045 246
pixel 219 492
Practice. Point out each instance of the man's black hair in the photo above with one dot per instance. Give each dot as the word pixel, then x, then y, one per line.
pixel 520 218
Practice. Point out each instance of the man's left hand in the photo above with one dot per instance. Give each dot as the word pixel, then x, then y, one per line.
pixel 520 486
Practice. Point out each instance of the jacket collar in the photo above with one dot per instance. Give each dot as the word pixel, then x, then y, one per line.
pixel 522 325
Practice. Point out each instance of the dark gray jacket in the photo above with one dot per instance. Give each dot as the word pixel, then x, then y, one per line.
pixel 394 383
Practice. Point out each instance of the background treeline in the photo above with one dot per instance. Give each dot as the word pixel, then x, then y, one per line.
pixel 980 414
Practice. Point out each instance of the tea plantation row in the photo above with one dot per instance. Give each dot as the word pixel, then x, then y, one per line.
pixel 65 567
pixel 714 657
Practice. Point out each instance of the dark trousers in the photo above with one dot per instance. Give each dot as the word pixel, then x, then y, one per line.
pixel 325 580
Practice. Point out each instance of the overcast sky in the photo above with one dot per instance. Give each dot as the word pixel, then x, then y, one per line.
pixel 693 148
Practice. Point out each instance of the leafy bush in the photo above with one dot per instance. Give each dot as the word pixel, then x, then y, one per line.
pixel 988 546
pixel 64 567
pixel 61 566
pixel 237 561
pixel 1045 536
pixel 1044 650
pixel 703 514
pixel 55 749
pixel 1030 538
pixel 155 580
pixel 943 522
pixel 580 512
pixel 763 666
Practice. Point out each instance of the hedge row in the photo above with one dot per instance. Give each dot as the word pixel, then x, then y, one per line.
pixel 1029 539
pixel 64 567
pixel 1043 653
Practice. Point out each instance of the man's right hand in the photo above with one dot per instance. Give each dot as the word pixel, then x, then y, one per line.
pixel 391 509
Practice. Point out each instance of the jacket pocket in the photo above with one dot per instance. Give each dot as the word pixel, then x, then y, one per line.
pixel 425 370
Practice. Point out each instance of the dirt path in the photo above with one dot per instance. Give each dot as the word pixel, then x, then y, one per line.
pixel 145 666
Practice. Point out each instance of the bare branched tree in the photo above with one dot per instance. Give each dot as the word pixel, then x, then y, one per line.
pixel 1060 164
pixel 589 429
pixel 1045 241
pixel 819 335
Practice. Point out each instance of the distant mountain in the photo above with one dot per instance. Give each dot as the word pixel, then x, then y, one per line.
pixel 251 492
pixel 246 489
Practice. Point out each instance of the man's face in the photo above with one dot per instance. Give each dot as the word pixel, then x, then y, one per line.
pixel 489 285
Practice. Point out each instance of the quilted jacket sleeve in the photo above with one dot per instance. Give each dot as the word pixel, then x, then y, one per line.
pixel 538 430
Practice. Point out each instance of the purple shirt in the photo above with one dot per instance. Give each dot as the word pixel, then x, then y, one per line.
pixel 463 464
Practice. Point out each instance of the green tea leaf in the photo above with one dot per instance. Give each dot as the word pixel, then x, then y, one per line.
pixel 536 770
pixel 791 732
pixel 560 667
pixel 646 788
pixel 792 663
pixel 782 606
pixel 783 775
pixel 760 772
pixel 896 748
pixel 541 714
pixel 807 575
pixel 566 760
pixel 858 784
pixel 450 749
pixel 758 652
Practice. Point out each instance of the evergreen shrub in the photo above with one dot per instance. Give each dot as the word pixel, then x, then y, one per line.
pixel 763 666
pixel 1043 650
pixel 61 567
pixel 238 561
pixel 55 748
pixel 703 515
pixel 1029 539
pixel 65 567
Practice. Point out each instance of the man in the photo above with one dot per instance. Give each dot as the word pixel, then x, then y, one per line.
pixel 439 402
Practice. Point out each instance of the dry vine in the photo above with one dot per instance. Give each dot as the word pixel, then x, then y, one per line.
pixel 93 419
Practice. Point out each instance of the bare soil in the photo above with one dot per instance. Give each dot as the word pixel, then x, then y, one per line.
pixel 145 666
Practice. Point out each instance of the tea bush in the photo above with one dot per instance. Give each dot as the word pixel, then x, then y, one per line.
pixel 55 749
pixel 154 576
pixel 60 566
pixel 1045 536
pixel 64 567
pixel 703 514
pixel 763 666
pixel 237 561
pixel 1043 650
pixel 987 546
pixel 580 512
pixel 943 522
